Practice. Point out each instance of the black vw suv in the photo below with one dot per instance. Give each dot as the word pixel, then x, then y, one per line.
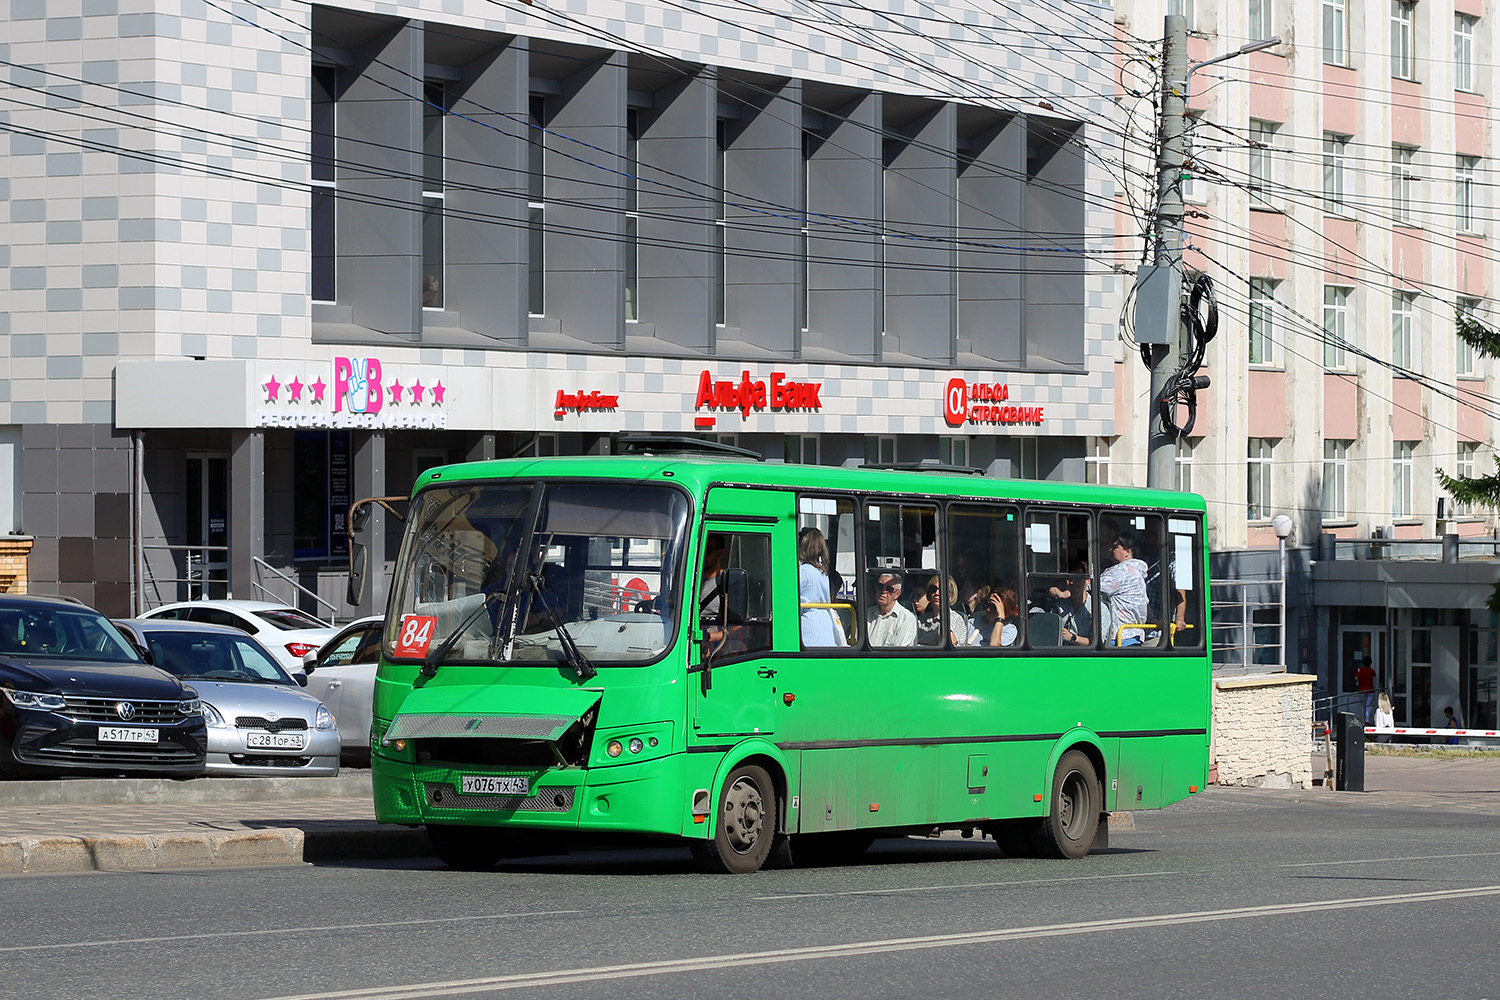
pixel 76 696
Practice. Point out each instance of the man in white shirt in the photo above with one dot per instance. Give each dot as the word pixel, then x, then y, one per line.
pixel 888 622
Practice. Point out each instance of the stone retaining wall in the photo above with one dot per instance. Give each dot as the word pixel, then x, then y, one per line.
pixel 1262 730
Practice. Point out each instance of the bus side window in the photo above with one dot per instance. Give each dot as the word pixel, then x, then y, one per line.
pixel 985 547
pixel 728 632
pixel 1059 595
pixel 1185 572
pixel 827 591
pixel 900 556
pixel 1131 578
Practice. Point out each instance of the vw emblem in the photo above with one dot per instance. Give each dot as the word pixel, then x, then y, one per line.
pixel 272 716
pixel 125 710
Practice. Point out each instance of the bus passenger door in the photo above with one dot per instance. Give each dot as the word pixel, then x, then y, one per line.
pixel 733 685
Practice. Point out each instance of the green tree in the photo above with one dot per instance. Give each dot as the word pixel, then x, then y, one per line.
pixel 1479 490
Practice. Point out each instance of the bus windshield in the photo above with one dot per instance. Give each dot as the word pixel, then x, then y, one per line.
pixel 602 573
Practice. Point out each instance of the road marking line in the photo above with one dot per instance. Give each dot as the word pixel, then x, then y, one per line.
pixel 960 885
pixel 1371 861
pixel 284 930
pixel 417 991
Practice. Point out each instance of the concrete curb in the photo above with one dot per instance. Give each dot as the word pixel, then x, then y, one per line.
pixel 287 846
pixel 351 784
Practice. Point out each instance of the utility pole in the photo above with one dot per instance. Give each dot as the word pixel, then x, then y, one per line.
pixel 1165 347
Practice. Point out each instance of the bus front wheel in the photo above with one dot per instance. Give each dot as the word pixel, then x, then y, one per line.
pixel 746 826
pixel 467 848
pixel 1070 826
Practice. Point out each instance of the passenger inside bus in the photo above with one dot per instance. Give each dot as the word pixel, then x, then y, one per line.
pixel 888 622
pixel 1124 584
pixel 820 625
pixel 994 621
pixel 933 609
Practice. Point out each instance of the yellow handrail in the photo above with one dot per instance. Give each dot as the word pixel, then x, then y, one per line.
pixel 853 617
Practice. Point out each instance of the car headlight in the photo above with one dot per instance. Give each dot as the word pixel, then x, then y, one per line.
pixel 212 717
pixel 36 700
pixel 190 707
pixel 324 718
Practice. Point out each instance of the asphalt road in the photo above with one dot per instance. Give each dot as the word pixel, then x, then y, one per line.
pixel 1235 893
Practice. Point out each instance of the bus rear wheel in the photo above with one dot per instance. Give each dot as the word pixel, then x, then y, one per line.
pixel 467 848
pixel 746 827
pixel 1071 824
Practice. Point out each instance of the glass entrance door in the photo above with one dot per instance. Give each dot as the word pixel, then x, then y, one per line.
pixel 207 525
pixel 1358 645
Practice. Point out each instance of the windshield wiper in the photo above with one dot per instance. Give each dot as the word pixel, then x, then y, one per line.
pixel 520 574
pixel 575 658
pixel 439 653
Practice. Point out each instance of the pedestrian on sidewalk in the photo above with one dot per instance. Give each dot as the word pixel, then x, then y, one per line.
pixel 1385 719
pixel 1451 721
pixel 1364 679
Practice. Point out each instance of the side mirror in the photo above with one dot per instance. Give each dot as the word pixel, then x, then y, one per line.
pixel 359 517
pixel 300 678
pixel 736 596
pixel 310 661
pixel 357 559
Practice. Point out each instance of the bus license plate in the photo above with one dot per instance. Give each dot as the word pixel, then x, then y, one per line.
pixel 490 784
pixel 128 734
pixel 273 741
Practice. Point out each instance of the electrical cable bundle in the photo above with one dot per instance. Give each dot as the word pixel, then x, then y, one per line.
pixel 1182 386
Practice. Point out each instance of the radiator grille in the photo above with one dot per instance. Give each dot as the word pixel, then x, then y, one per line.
pixel 161 713
pixel 256 722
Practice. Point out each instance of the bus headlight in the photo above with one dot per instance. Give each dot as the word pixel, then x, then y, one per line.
pixel 614 748
pixel 636 744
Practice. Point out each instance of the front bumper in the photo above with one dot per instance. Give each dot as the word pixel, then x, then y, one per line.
pixel 230 753
pixel 36 742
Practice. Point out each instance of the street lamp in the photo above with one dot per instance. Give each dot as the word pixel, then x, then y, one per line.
pixel 1282 525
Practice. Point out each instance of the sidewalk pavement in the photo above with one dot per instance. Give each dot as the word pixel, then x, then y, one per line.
pixel 124 824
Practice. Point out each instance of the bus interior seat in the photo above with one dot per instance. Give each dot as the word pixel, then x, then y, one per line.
pixel 1044 628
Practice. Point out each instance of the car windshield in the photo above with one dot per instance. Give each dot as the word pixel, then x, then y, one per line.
pixel 62 633
pixel 213 656
pixel 289 618
pixel 601 576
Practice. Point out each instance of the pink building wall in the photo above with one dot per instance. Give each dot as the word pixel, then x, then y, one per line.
pixel 1473 266
pixel 1340 265
pixel 1267 403
pixel 1268 90
pixel 1407 421
pixel 1406 111
pixel 1471 409
pixel 1469 114
pixel 1340 100
pixel 1407 252
pixel 1340 407
pixel 1268 244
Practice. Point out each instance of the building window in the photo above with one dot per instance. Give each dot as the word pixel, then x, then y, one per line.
pixel 1183 9
pixel 434 114
pixel 632 214
pixel 1260 20
pixel 1258 482
pixel 324 83
pixel 1463 468
pixel 1466 192
pixel 1335 173
pixel 1096 460
pixel 1182 466
pixel 801 449
pixel 1335 480
pixel 1336 328
pixel 880 450
pixel 1263 165
pixel 1403 39
pixel 1463 51
pixel 1335 32
pixel 1262 321
pixel 1463 351
pixel 1402 464
pixel 1403 183
pixel 536 206
pixel 1403 323
pixel 953 450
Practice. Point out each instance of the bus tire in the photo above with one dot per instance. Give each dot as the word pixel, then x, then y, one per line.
pixel 746 827
pixel 1071 824
pixel 467 848
pixel 830 848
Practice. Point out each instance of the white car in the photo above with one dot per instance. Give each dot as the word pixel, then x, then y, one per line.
pixel 342 676
pixel 288 633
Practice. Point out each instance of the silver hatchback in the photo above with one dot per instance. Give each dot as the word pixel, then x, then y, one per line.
pixel 259 721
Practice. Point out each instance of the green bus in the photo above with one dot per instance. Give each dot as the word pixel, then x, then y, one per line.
pixel 752 658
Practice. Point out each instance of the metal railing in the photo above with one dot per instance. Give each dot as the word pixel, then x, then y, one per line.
pixel 1239 639
pixel 266 594
pixel 201 577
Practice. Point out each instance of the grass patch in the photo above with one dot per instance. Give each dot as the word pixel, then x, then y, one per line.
pixel 1437 752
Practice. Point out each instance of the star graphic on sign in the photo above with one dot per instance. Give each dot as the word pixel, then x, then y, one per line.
pixel 272 388
pixel 295 387
pixel 396 388
pixel 437 392
pixel 317 388
pixel 417 388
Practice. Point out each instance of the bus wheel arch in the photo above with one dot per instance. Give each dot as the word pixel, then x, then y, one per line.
pixel 750 793
pixel 1075 806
